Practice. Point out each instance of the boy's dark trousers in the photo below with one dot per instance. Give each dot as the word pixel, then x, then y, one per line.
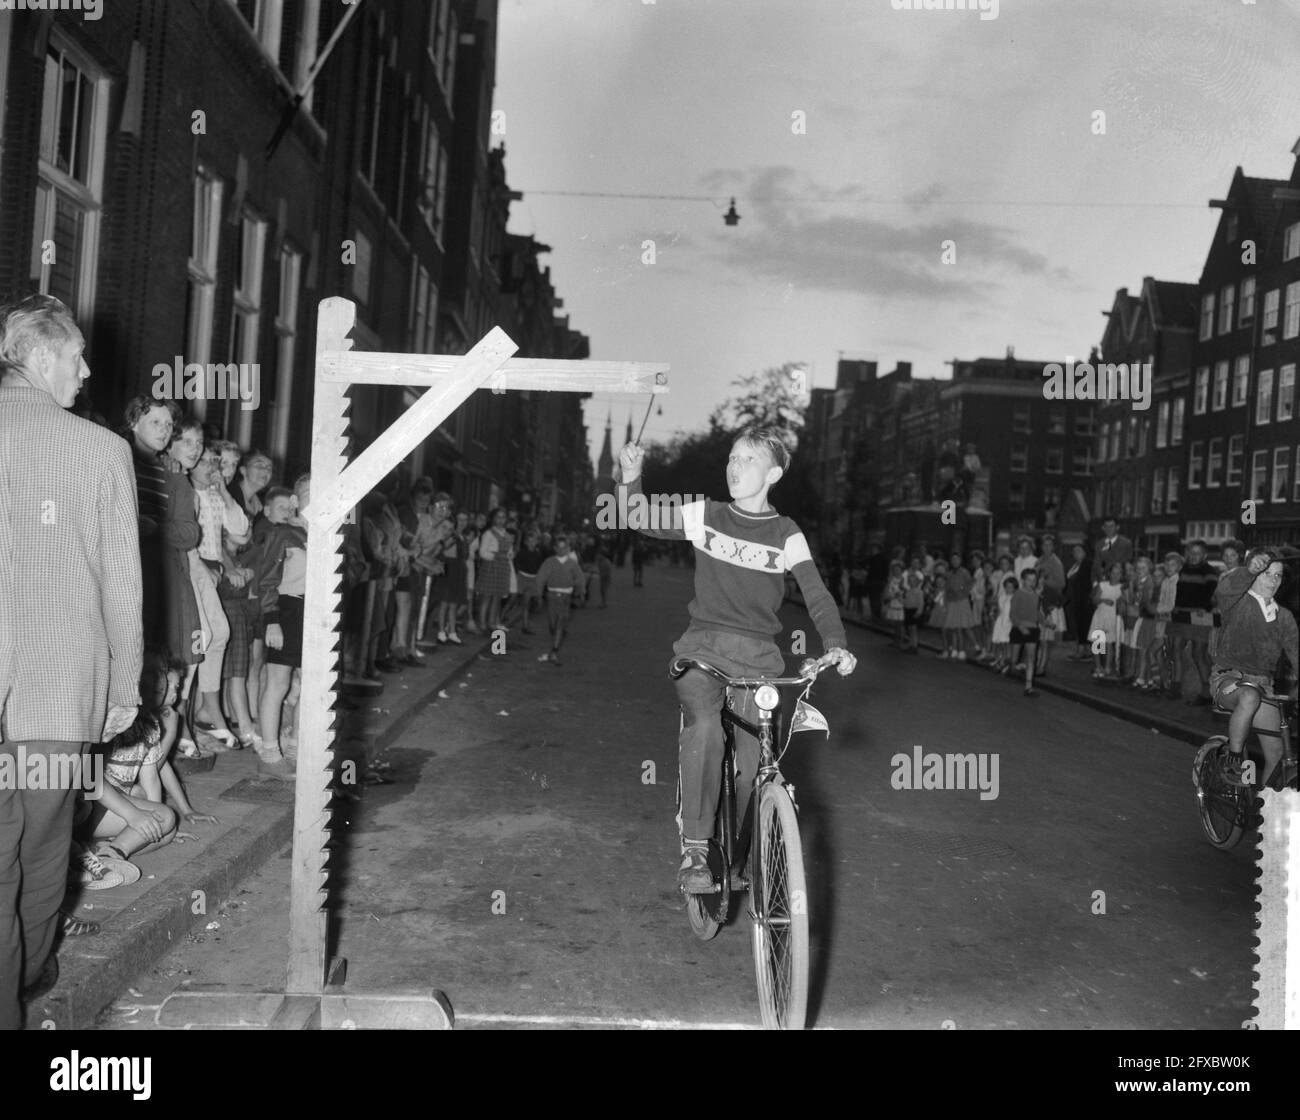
pixel 701 697
pixel 35 839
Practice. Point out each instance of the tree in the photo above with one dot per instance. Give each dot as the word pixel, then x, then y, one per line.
pixel 776 398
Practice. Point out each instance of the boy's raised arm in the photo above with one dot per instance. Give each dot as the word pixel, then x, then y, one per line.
pixel 817 600
pixel 667 524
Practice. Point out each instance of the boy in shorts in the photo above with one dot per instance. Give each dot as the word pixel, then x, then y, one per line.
pixel 1026 611
pixel 743 548
pixel 560 580
pixel 279 583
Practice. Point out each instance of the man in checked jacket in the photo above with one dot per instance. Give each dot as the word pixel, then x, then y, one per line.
pixel 70 623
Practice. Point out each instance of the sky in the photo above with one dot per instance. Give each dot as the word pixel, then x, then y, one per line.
pixel 857 139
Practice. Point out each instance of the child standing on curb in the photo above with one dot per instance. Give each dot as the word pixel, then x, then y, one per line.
pixel 1026 618
pixel 894 594
pixel 1001 636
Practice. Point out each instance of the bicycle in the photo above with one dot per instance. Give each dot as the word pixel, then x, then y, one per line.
pixel 1227 809
pixel 768 839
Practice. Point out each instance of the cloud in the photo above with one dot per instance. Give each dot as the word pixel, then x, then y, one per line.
pixel 795 235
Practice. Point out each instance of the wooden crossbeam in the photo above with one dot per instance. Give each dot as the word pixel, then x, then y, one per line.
pixel 546 375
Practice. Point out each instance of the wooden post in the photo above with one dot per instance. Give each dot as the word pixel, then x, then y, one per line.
pixel 335 489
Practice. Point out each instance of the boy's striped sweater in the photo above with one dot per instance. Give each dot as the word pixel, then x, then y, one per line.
pixel 740 565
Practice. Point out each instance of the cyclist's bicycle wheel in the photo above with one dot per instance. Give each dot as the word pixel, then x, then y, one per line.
pixel 1219 802
pixel 781 925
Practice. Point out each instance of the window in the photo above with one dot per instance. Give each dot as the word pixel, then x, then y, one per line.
pixel 1020 419
pixel 1020 457
pixel 1236 455
pixel 1195 465
pixel 424 312
pixel 1295 478
pixel 1176 425
pixel 1207 316
pixel 1171 492
pixel 204 241
pixel 1158 491
pixel 1055 460
pixel 1056 422
pixel 1281 473
pixel 1227 302
pixel 1144 436
pixel 1258 475
pixel 1291 242
pixel 1241 381
pixel 264 17
pixel 1162 424
pixel 372 89
pixel 1220 399
pixel 1264 397
pixel 1272 300
pixel 1131 433
pixel 433 185
pixel 1051 497
pixel 1114 440
pixel 1081 461
pixel 1085 423
pixel 286 346
pixel 1247 313
pixel 361 269
pixel 1214 464
pixel 1126 498
pixel 1291 319
pixel 69 181
pixel 1202 390
pixel 1016 496
pixel 1103 438
pixel 1286 392
pixel 247 316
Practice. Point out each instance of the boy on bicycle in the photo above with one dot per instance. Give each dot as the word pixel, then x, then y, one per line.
pixel 1256 631
pixel 743 548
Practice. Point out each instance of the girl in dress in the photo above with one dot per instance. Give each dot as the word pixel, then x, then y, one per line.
pixel 913 603
pixel 960 617
pixel 1001 637
pixel 1140 598
pixel 495 571
pixel 1106 618
pixel 893 597
pixel 938 614
pixel 449 587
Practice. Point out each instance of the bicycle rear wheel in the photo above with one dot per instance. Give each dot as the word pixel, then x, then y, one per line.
pixel 781 908
pixel 1218 802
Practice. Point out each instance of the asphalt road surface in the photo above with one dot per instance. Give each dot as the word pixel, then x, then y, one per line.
pixel 522 862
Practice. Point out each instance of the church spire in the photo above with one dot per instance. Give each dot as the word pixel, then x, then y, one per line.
pixel 629 428
pixel 605 464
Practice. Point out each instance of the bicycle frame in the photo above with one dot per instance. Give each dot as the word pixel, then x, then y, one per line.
pixel 739 843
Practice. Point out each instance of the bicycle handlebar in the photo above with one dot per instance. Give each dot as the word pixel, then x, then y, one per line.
pixel 808 672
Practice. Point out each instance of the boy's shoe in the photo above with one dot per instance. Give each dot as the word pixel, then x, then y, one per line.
pixel 1030 690
pixel 694 876
pixel 90 872
pixel 1233 771
pixel 555 658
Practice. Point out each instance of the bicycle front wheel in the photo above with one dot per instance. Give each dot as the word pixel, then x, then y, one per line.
pixel 1219 803
pixel 780 905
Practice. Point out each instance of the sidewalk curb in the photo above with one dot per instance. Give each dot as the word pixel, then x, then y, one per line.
pixel 1171 728
pixel 141 935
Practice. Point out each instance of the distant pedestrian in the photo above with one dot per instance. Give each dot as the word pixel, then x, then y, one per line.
pixel 913 604
pixel 1111 549
pixel 894 594
pixel 960 619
